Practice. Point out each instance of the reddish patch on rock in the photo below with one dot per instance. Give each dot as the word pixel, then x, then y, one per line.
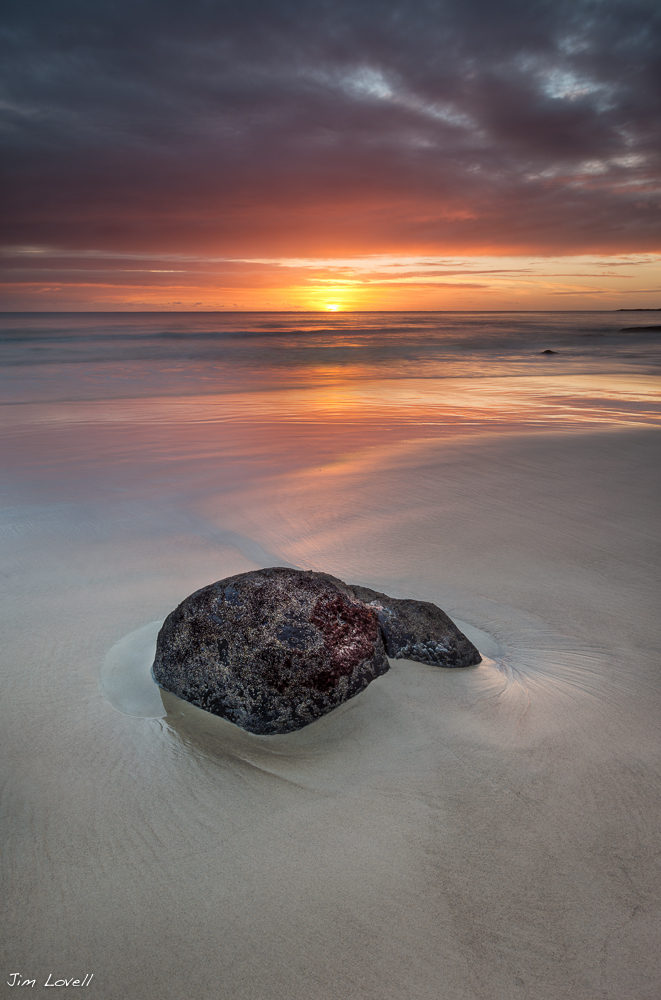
pixel 350 632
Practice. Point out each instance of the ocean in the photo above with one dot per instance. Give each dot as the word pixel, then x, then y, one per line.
pixel 482 834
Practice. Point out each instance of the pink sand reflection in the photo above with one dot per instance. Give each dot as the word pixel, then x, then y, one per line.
pixel 572 400
pixel 250 436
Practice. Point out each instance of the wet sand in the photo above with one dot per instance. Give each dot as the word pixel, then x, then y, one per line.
pixel 488 834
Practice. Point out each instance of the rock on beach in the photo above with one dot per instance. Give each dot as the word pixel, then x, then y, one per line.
pixel 274 649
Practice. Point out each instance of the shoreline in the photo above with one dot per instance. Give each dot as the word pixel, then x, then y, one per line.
pixel 485 832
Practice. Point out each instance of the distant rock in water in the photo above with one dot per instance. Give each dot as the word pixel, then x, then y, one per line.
pixel 626 329
pixel 275 649
pixel 548 351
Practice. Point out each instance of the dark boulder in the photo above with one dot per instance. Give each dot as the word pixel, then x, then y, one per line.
pixel 275 649
pixel 418 630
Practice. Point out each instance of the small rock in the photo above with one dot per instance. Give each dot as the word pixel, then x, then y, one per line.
pixel 548 351
pixel 274 649
pixel 418 630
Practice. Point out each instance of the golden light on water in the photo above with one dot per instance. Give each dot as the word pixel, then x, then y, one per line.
pixel 478 405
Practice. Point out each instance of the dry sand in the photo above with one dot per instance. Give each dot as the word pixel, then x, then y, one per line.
pixel 485 834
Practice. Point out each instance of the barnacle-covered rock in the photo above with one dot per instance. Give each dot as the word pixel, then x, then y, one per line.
pixel 274 649
pixel 418 630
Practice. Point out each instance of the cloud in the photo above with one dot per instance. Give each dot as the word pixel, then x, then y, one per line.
pixel 307 127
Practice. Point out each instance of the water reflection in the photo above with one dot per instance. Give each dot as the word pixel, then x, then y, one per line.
pixel 570 400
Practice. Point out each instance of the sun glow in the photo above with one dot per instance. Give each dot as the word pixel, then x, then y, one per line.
pixel 374 282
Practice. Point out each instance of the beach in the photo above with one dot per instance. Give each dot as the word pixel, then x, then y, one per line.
pixel 488 833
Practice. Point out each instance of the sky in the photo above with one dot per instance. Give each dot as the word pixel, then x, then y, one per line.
pixel 330 154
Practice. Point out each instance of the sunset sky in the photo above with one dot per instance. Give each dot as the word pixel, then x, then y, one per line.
pixel 331 154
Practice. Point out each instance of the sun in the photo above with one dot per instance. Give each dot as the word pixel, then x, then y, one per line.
pixel 332 307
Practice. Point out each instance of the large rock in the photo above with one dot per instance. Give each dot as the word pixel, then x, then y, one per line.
pixel 275 649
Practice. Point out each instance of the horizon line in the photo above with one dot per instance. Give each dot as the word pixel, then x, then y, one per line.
pixel 315 312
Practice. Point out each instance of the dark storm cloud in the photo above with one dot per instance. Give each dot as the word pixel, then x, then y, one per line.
pixel 311 126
